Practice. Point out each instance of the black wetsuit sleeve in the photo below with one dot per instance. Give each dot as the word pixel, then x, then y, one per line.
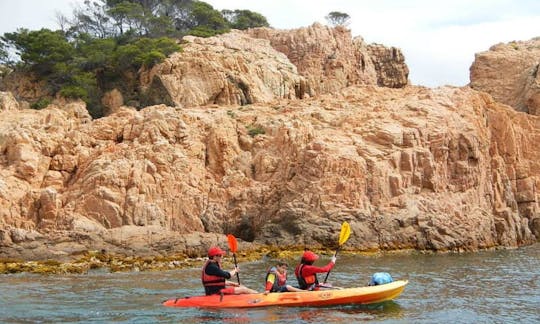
pixel 213 269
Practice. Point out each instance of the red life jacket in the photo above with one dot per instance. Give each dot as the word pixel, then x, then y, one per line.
pixel 210 280
pixel 281 279
pixel 306 283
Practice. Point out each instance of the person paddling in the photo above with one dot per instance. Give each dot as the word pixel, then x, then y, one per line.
pixel 306 272
pixel 214 279
pixel 276 279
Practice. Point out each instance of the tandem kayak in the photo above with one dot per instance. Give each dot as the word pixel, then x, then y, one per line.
pixel 326 297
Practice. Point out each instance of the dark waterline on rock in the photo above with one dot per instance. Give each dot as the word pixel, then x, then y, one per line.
pixel 491 286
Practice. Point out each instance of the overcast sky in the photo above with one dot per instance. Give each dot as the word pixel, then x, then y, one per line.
pixel 438 38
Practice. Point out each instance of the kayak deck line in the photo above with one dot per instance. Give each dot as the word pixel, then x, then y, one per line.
pixel 325 297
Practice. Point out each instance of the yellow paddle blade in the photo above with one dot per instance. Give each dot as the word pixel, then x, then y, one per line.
pixel 345 233
pixel 233 244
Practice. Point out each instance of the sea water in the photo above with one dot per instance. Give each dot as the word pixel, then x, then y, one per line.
pixel 484 287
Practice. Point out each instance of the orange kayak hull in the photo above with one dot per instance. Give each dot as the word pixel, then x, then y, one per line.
pixel 327 297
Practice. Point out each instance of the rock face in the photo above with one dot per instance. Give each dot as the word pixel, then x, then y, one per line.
pixel 299 137
pixel 389 64
pixel 24 86
pixel 112 101
pixel 509 72
pixel 8 102
pixel 226 70
pixel 331 60
pixel 245 67
pixel 442 169
pixel 263 64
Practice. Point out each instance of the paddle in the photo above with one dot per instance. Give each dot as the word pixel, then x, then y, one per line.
pixel 233 246
pixel 343 237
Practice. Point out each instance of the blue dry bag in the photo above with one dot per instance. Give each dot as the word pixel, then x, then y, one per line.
pixel 380 278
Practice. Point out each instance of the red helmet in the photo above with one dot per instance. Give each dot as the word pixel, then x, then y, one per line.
pixel 215 250
pixel 309 256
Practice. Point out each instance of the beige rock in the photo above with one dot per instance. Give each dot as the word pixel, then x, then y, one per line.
pixel 8 102
pixel 509 72
pixel 83 224
pixel 390 66
pixel 48 208
pixel 431 169
pixel 112 100
pixel 21 235
pixel 445 169
pixel 24 86
pixel 263 64
pixel 53 179
pixel 244 67
pixel 330 59
pixel 228 69
pixel 533 103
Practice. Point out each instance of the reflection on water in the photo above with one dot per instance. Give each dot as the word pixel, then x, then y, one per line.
pixel 487 287
pixel 334 314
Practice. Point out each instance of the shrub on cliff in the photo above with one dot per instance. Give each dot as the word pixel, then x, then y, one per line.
pixel 40 50
pixel 41 103
pixel 84 67
pixel 143 52
pixel 106 42
pixel 244 19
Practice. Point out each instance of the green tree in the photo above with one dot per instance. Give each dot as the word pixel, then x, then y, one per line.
pixel 179 11
pixel 205 17
pixel 40 50
pixel 81 85
pixel 127 16
pixel 244 19
pixel 106 42
pixel 92 19
pixel 94 53
pixel 144 52
pixel 161 26
pixel 336 18
pixel 132 19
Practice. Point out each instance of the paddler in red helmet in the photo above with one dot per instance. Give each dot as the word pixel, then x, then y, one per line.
pixel 306 272
pixel 214 279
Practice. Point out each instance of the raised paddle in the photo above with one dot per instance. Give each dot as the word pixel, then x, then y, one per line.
pixel 343 237
pixel 233 246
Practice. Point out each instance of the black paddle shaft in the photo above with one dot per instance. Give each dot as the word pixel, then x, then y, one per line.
pixel 328 273
pixel 236 266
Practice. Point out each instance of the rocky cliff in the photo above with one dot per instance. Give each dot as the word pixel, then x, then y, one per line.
pixel 408 167
pixel 254 66
pixel 509 72
pixel 444 169
pixel 330 60
pixel 263 64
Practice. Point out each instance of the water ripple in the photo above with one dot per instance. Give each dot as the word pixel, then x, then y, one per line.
pixel 485 287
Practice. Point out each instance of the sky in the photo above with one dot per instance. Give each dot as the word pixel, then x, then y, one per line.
pixel 438 38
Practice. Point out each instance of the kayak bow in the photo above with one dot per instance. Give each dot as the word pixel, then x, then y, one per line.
pixel 360 295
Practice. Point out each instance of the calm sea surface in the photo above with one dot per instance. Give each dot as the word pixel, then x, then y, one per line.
pixel 484 287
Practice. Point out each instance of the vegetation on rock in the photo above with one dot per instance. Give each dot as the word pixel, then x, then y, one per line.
pixel 106 42
pixel 336 18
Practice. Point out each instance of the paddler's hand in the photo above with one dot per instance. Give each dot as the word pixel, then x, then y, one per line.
pixel 333 259
pixel 234 271
pixel 266 292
